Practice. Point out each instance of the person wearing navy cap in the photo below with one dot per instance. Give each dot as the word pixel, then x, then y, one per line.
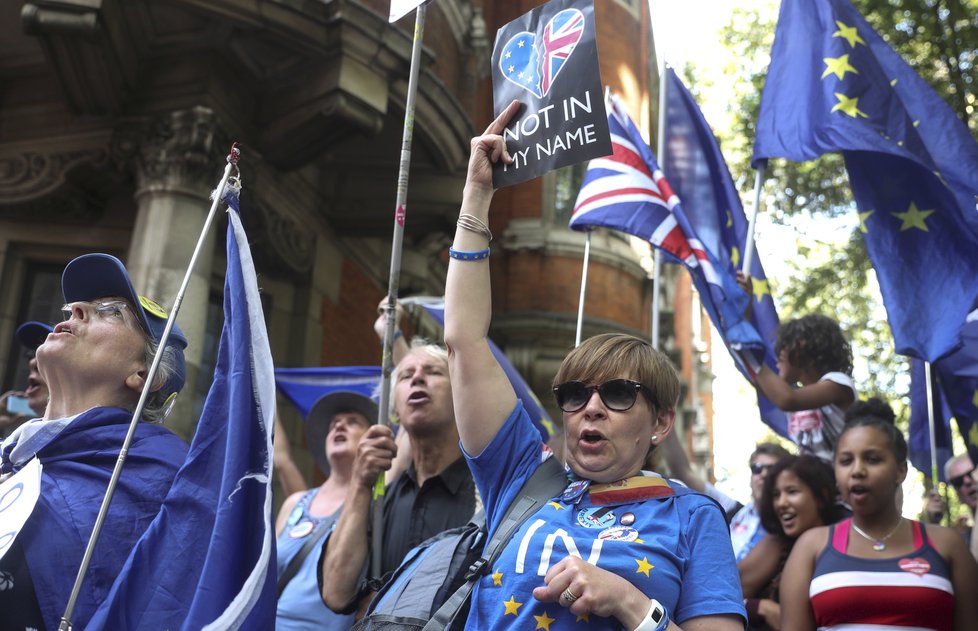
pixel 95 364
pixel 35 396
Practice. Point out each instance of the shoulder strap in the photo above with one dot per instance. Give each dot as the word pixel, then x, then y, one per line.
pixel 293 567
pixel 547 482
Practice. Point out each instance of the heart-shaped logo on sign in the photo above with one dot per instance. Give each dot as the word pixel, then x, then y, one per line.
pixel 916 566
pixel 534 64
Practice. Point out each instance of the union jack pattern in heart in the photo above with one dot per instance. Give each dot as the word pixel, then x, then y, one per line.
pixel 535 67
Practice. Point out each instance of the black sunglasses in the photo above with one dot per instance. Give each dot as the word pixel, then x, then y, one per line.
pixel 617 394
pixel 758 468
pixel 958 481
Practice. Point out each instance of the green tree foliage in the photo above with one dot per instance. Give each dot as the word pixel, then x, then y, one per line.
pixel 939 39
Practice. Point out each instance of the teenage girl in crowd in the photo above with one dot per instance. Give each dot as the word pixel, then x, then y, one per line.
pixel 878 568
pixel 799 494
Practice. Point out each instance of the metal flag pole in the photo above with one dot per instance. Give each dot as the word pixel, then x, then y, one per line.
pixel 931 424
pixel 752 222
pixel 400 212
pixel 660 150
pixel 232 164
pixel 580 301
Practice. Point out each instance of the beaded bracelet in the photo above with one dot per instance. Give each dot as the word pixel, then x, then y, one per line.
pixel 474 224
pixel 481 255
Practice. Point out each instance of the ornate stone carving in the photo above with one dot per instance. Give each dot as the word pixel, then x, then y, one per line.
pixel 183 151
pixel 30 175
pixel 279 243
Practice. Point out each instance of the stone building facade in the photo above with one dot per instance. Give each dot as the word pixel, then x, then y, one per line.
pixel 116 117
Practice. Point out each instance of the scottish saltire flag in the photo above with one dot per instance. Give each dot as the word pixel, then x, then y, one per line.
pixel 835 85
pixel 208 559
pixel 304 386
pixel 918 439
pixel 626 191
pixel 698 173
pixel 435 307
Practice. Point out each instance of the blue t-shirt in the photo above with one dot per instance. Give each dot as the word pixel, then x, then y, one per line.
pixel 650 543
pixel 301 607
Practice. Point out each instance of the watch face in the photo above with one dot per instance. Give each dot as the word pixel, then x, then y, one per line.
pixel 656 615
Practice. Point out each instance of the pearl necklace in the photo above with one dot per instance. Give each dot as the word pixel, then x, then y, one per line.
pixel 878 544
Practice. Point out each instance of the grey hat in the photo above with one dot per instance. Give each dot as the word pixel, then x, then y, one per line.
pixel 321 415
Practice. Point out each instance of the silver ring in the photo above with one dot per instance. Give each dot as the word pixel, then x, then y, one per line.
pixel 569 596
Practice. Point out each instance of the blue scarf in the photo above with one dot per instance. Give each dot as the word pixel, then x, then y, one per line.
pixel 78 461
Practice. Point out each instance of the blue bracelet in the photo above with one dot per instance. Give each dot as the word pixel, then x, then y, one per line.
pixel 481 255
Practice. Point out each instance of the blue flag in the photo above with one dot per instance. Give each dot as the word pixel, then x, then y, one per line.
pixel 918 439
pixel 698 173
pixel 208 559
pixel 835 85
pixel 626 191
pixel 304 386
pixel 435 307
pixel 957 379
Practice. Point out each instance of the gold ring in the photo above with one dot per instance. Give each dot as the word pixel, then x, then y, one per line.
pixel 569 596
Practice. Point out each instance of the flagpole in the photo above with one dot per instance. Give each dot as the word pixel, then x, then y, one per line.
pixel 580 301
pixel 931 424
pixel 752 222
pixel 400 214
pixel 657 253
pixel 232 164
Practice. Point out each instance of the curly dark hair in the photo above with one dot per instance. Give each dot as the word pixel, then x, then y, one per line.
pixel 815 342
pixel 817 475
pixel 875 412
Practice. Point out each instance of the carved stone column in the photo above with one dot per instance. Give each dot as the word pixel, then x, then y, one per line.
pixel 179 165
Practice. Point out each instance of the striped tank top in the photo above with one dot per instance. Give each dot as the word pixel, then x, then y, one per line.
pixel 909 593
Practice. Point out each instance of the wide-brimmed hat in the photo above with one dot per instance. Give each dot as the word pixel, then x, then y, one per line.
pixel 100 275
pixel 32 334
pixel 321 415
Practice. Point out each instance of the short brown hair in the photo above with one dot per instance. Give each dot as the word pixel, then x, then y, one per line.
pixel 613 355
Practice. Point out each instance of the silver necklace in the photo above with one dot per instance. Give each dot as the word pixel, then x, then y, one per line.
pixel 878 544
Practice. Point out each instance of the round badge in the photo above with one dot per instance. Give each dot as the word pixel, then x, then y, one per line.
pixel 596 517
pixel 628 519
pixel 618 533
pixel 152 308
pixel 301 530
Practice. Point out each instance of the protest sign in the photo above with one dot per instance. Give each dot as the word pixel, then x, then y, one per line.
pixel 548 60
pixel 18 495
pixel 400 8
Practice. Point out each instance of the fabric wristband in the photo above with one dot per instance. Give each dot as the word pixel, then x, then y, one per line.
pixel 480 255
pixel 656 610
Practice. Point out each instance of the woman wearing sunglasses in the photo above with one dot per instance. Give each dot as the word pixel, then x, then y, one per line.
pixel 620 548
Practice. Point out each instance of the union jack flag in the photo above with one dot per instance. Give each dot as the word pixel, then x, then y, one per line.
pixel 627 191
pixel 559 43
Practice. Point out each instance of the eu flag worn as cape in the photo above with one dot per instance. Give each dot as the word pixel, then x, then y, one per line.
pixel 626 191
pixel 835 85
pixel 208 559
pixel 698 173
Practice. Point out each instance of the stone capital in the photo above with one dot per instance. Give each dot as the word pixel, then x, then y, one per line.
pixel 182 152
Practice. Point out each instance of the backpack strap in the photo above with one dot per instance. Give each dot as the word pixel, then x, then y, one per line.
pixel 548 481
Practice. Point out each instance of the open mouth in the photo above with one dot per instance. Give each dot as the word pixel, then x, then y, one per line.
pixel 857 492
pixel 418 397
pixel 591 438
pixel 787 520
pixel 62 327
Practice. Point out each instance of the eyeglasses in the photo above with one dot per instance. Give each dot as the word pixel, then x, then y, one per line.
pixel 958 481
pixel 617 394
pixel 757 468
pixel 112 310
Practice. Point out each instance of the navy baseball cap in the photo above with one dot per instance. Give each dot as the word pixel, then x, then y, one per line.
pixel 32 334
pixel 322 413
pixel 99 275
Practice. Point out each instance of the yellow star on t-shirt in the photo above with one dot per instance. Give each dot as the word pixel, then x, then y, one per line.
pixel 583 617
pixel 838 66
pixel 497 578
pixel 862 221
pixel 848 106
pixel 543 622
pixel 848 33
pixel 914 218
pixel 511 606
pixel 735 256
pixel 644 566
pixel 761 287
pixel 556 505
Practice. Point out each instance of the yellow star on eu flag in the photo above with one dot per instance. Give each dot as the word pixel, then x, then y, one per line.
pixel 862 221
pixel 508 54
pixel 973 433
pixel 497 578
pixel 735 256
pixel 760 287
pixel 543 622
pixel 848 33
pixel 914 218
pixel 643 566
pixel 583 617
pixel 520 43
pixel 511 68
pixel 838 66
pixel 729 219
pixel 848 106
pixel 511 606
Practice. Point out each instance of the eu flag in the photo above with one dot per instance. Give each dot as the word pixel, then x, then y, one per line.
pixel 835 85
pixel 208 559
pixel 918 438
pixel 698 173
pixel 304 386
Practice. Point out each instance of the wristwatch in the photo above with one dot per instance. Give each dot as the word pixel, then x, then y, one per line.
pixel 656 619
